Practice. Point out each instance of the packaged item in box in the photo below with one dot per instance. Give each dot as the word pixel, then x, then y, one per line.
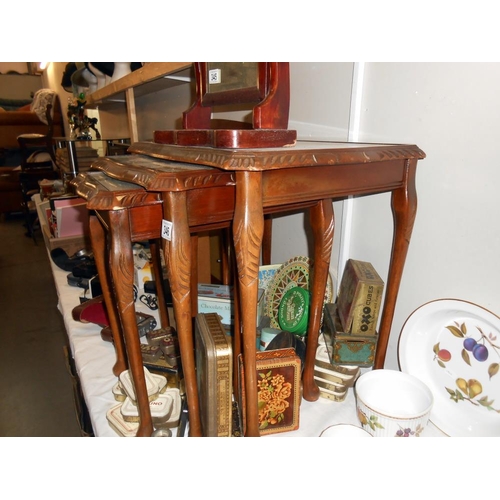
pixel 216 299
pixel 359 298
pixel 71 216
pixel 214 373
pixel 219 299
pixel 278 386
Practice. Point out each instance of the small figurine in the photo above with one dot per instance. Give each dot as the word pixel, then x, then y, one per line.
pixel 79 123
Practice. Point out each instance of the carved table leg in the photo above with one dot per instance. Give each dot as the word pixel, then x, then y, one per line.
pixel 404 209
pixel 98 239
pixel 121 263
pixel 322 223
pixel 248 228
pixel 177 251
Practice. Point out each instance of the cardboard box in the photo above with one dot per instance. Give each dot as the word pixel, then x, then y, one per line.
pixel 70 245
pixel 216 299
pixel 71 216
pixel 359 298
pixel 219 299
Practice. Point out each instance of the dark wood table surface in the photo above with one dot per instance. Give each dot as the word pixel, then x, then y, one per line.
pixel 308 175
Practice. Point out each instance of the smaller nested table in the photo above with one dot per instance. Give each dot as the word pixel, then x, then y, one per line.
pixel 200 198
pixel 123 213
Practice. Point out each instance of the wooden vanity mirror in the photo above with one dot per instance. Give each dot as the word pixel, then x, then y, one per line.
pixel 263 86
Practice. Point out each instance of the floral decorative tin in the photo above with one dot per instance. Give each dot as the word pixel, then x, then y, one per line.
pixel 278 390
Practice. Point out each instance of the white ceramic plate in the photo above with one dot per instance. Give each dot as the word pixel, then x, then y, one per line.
pixel 436 345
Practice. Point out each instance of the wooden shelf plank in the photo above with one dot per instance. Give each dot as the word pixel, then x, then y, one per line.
pixel 148 73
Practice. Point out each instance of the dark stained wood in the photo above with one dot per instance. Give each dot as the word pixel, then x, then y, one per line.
pixel 99 246
pixel 124 213
pixel 269 100
pixel 309 175
pixel 227 138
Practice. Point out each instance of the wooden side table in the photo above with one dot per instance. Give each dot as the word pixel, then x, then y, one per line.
pixel 199 198
pixel 123 213
pixel 277 180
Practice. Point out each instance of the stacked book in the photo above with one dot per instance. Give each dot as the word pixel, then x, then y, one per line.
pixel 85 155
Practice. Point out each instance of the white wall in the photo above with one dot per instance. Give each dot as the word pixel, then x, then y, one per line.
pixel 320 95
pixel 451 111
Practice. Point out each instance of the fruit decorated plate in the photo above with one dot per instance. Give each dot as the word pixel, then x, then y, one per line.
pixel 294 272
pixel 453 346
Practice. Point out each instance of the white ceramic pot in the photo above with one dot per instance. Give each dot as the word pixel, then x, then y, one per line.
pixel 390 403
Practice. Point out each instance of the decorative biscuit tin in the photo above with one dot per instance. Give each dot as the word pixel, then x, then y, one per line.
pixel 278 386
pixel 344 348
pixel 359 351
pixel 214 372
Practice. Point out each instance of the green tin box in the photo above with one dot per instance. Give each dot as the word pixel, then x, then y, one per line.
pixel 347 349
pixel 359 352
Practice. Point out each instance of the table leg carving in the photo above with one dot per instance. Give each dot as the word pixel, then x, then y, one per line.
pixel 122 272
pixel 404 209
pixel 322 223
pixel 178 257
pixel 248 229
pixel 98 240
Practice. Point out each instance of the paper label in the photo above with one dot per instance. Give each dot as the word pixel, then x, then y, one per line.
pixel 166 229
